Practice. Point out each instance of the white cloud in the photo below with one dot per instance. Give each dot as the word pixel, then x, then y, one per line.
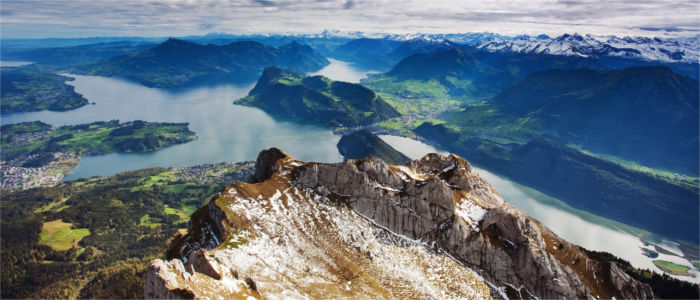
pixel 31 18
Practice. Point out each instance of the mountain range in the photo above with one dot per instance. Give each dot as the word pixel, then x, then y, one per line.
pixel 653 49
pixel 74 55
pixel 644 114
pixel 178 62
pixel 317 99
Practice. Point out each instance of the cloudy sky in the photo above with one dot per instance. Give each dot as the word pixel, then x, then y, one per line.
pixel 83 18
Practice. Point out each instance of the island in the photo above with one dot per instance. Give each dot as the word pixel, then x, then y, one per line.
pixel 38 154
pixel 31 88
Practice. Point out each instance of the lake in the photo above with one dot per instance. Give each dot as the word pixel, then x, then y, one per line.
pixel 226 132
pixel 230 132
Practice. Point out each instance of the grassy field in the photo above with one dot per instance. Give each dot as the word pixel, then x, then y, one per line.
pixel 672 268
pixel 59 235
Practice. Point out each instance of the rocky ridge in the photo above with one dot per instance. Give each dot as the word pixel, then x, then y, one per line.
pixel 429 229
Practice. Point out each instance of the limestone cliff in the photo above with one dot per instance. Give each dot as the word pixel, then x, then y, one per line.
pixel 363 229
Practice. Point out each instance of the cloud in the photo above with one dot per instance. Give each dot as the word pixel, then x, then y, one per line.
pixel 349 4
pixel 58 18
pixel 206 26
pixel 265 2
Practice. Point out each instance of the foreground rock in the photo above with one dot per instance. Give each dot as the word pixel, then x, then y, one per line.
pixel 429 229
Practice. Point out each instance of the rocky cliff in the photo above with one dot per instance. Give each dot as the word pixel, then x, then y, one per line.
pixel 429 229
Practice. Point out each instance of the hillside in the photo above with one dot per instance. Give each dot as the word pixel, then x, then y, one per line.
pixel 34 88
pixel 124 221
pixel 429 229
pixel 645 114
pixel 317 99
pixel 363 143
pixel 628 196
pixel 177 62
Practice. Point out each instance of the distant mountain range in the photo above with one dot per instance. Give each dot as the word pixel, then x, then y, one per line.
pixel 653 49
pixel 382 54
pixel 177 62
pixel 644 114
pixel 474 72
pixel 73 55
pixel 317 99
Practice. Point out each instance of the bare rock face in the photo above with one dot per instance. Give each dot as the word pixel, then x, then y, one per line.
pixel 366 229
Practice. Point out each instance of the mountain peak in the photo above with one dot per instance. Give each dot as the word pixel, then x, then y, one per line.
pixel 336 230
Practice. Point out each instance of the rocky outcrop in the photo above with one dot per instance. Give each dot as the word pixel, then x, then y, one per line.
pixel 367 229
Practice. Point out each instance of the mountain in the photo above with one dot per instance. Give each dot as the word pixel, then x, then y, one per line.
pixel 645 114
pixel 81 54
pixel 317 99
pixel 384 53
pixel 367 53
pixel 363 143
pixel 468 73
pixel 653 49
pixel 428 229
pixel 621 194
pixel 177 62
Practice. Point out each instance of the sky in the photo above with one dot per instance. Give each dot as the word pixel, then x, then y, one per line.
pixel 158 18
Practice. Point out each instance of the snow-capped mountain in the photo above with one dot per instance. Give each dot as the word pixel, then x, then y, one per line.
pixel 654 49
pixel 679 49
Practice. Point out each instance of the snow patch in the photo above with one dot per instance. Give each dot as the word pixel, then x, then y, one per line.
pixel 471 213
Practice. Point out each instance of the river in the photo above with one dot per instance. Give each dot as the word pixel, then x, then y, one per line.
pixel 229 132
